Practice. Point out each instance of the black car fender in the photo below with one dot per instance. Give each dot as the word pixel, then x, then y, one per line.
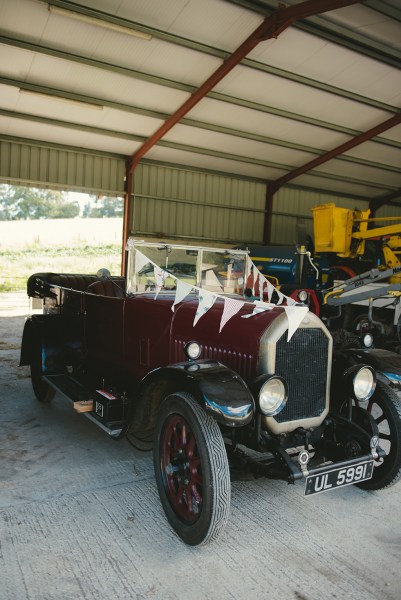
pixel 220 391
pixel 57 337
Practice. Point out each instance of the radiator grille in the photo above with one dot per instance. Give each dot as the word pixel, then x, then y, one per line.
pixel 303 362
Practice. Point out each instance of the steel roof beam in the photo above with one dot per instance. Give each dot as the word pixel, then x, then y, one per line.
pixel 338 34
pixel 61 94
pixel 219 53
pixel 271 27
pixel 274 186
pixel 335 152
pixel 28 45
pixel 331 31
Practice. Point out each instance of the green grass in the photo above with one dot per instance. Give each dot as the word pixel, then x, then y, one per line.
pixel 17 265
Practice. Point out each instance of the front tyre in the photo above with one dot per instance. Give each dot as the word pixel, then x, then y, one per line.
pixel 385 408
pixel 191 469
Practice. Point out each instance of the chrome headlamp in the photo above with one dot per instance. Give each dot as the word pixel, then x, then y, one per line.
pixel 367 340
pixel 361 380
pixel 302 296
pixel 273 395
pixel 192 350
pixel 364 383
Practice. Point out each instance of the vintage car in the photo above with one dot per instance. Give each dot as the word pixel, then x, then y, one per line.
pixel 183 356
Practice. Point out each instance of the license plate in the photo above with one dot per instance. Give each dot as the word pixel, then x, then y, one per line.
pixel 338 477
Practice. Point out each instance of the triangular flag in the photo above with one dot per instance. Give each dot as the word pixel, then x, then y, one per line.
pixel 182 291
pixel 140 261
pixel 248 267
pixel 206 301
pixel 231 307
pixel 259 308
pixel 159 279
pixel 290 301
pixel 295 316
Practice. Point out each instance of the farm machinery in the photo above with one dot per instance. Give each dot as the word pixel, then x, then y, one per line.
pixel 350 275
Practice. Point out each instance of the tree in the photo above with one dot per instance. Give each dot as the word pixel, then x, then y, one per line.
pixel 17 202
pixel 105 206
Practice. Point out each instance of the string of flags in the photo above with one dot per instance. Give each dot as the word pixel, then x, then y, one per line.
pixel 255 281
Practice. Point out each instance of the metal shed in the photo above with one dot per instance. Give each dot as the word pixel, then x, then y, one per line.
pixel 298 104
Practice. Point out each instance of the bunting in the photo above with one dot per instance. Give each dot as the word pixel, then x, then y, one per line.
pixel 260 307
pixel 295 316
pixel 254 280
pixel 231 307
pixel 160 276
pixel 182 291
pixel 206 301
pixel 140 261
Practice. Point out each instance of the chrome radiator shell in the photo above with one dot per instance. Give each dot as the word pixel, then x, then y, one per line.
pixel 305 363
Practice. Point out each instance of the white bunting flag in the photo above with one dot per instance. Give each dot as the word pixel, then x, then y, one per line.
pixel 260 307
pixel 159 279
pixel 140 261
pixel 295 316
pixel 231 307
pixel 182 291
pixel 291 301
pixel 206 301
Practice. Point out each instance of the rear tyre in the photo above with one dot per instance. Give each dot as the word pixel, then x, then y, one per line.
pixel 42 390
pixel 385 408
pixel 191 469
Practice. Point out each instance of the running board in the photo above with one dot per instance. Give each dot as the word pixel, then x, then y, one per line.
pixel 76 393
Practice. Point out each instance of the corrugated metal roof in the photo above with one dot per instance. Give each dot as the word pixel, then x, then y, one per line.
pixel 320 83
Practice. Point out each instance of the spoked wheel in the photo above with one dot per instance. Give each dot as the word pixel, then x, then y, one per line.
pixel 42 390
pixel 385 408
pixel 191 469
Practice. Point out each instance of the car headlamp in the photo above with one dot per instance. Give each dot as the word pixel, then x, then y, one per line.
pixel 192 350
pixel 367 340
pixel 273 396
pixel 302 296
pixel 364 383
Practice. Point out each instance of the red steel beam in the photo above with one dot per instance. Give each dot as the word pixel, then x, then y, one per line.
pixel 274 186
pixel 271 27
pixel 359 139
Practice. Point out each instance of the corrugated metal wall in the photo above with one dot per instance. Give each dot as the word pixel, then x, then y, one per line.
pixel 60 168
pixel 172 202
pixel 176 203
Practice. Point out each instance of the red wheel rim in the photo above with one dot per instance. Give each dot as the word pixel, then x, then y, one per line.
pixel 181 469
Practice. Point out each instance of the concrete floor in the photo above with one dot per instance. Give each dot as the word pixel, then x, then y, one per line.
pixel 80 518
